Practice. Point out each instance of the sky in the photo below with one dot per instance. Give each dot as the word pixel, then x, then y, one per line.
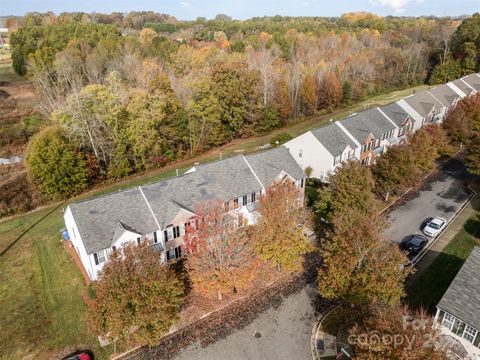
pixel 244 9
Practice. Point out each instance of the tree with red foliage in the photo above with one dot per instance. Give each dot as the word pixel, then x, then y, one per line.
pixel 220 257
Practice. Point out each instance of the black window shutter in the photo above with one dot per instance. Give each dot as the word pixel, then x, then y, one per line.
pixel 155 237
pixel 165 234
pixel 95 257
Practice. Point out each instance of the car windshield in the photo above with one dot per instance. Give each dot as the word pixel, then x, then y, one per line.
pixel 435 224
pixel 416 241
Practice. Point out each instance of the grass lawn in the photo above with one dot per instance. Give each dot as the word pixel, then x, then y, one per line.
pixel 7 73
pixel 40 286
pixel 432 284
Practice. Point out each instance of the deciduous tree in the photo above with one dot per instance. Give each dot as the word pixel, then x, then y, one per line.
pixel 135 295
pixel 278 234
pixel 359 266
pixel 395 170
pixel 397 333
pixel 221 258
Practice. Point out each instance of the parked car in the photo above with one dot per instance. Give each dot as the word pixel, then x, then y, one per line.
pixel 434 226
pixel 414 244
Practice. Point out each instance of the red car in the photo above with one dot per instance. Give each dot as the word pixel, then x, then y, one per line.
pixel 81 356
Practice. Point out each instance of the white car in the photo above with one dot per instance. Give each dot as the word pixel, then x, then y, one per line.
pixel 434 226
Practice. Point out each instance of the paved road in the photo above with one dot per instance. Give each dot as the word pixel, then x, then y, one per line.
pixel 440 197
pixel 286 333
pixel 286 330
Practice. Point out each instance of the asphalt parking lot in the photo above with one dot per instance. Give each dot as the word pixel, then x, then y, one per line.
pixel 285 334
pixel 443 196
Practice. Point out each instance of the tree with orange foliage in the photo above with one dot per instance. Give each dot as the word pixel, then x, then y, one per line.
pixel 283 100
pixel 278 234
pixel 330 92
pixel 397 333
pixel 308 95
pixel 221 258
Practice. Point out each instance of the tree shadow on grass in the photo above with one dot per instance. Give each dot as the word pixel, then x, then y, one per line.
pixel 472 227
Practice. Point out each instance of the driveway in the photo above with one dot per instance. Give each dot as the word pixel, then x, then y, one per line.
pixel 442 196
pixel 284 334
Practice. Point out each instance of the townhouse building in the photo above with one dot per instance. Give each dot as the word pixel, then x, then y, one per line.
pixel 373 130
pixel 424 108
pixel 161 211
pixel 458 312
pixel 324 149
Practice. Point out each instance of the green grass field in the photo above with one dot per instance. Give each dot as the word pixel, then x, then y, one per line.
pixel 40 286
pixel 41 307
pixel 432 284
pixel 7 73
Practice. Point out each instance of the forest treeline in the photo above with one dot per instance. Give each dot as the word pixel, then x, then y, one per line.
pixel 125 93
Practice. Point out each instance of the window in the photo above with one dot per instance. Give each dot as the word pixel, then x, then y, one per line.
pixel 165 235
pixel 235 203
pixel 245 200
pixel 99 257
pixel 227 206
pixel 174 253
pixel 458 327
pixel 364 148
pixel 114 248
pixel 176 231
pixel 300 153
pixel 476 342
pixel 155 239
pixel 253 197
pixel 138 240
pixel 469 333
pixel 448 321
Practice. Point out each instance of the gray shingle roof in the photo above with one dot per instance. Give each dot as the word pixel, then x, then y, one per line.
pixel 423 102
pixel 473 80
pixel 334 139
pixel 462 298
pixel 102 220
pixel 226 179
pixel 445 94
pixel 267 165
pixel 462 86
pixel 99 219
pixel 396 113
pixel 366 122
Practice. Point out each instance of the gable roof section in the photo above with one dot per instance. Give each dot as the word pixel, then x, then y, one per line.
pixel 103 219
pixel 370 121
pixel 445 95
pixel 333 138
pixel 462 298
pixel 463 86
pixel 473 80
pixel 423 103
pixel 224 180
pixel 396 113
pixel 268 165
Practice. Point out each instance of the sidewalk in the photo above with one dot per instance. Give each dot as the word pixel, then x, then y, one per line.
pixel 445 238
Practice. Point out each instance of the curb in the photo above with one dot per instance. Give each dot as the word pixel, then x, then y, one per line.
pixel 313 336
